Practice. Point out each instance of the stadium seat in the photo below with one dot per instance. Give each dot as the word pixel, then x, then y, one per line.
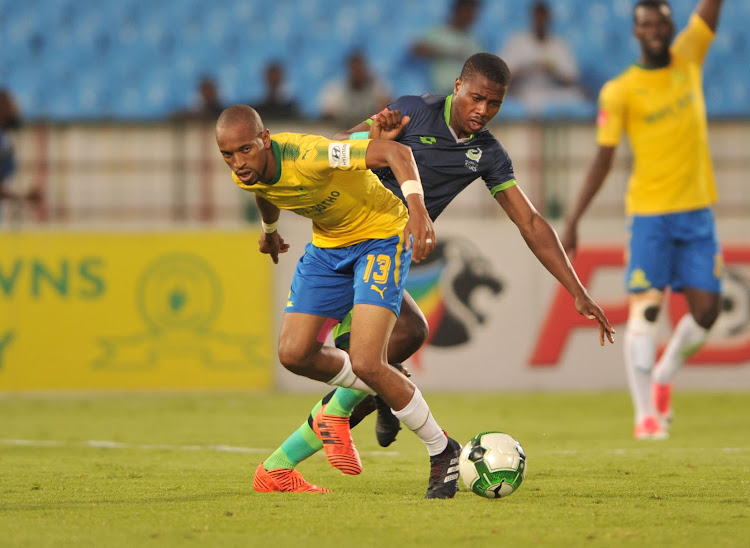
pixel 166 46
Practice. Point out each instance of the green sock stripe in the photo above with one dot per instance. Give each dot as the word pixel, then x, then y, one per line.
pixel 310 439
pixel 344 401
pixel 278 459
pixel 302 444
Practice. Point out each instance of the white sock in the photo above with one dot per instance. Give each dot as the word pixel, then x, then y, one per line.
pixel 640 353
pixel 687 339
pixel 418 418
pixel 348 379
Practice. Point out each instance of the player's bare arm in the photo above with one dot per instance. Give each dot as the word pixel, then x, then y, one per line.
pixel 401 161
pixel 597 173
pixel 544 243
pixel 270 242
pixel 708 10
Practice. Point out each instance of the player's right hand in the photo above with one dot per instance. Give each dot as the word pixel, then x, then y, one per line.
pixel 388 124
pixel 272 244
pixel 588 308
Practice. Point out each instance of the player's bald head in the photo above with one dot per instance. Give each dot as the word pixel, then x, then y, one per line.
pixel 240 115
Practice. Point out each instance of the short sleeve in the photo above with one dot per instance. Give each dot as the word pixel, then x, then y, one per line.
pixel 694 41
pixel 319 156
pixel 610 121
pixel 501 176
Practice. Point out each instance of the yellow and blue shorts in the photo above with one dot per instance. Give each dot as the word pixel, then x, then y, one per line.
pixel 330 281
pixel 676 250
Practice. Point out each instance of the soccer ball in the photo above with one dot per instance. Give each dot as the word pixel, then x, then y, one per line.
pixel 492 464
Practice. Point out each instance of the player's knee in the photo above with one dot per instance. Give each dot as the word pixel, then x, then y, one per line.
pixel 294 358
pixel 408 336
pixel 365 367
pixel 643 314
pixel 706 318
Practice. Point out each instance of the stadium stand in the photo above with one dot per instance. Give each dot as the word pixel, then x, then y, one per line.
pixel 141 60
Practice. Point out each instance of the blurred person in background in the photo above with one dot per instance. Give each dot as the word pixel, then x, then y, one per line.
pixel 277 103
pixel 207 105
pixel 452 148
pixel 10 119
pixel 347 100
pixel 447 46
pixel 658 102
pixel 545 71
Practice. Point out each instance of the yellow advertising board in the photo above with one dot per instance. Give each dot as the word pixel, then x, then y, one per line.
pixel 134 310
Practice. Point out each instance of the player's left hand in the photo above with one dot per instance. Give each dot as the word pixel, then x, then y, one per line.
pixel 588 308
pixel 421 229
pixel 388 124
pixel 272 244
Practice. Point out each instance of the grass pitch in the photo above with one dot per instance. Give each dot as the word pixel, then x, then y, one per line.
pixel 176 470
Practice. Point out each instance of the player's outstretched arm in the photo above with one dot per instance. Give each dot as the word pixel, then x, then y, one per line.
pixel 401 161
pixel 544 243
pixel 708 10
pixel 270 241
pixel 595 177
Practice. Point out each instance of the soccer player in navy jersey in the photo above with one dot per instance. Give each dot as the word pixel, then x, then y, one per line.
pixel 452 148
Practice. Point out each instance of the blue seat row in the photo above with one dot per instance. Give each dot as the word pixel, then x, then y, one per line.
pixel 141 59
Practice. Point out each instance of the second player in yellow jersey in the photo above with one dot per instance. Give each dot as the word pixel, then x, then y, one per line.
pixel 662 111
pixel 658 103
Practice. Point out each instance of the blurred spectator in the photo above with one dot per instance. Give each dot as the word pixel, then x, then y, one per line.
pixel 207 106
pixel 10 118
pixel 277 103
pixel 543 66
pixel 355 97
pixel 447 46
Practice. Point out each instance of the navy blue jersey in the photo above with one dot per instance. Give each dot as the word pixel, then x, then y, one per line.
pixel 447 165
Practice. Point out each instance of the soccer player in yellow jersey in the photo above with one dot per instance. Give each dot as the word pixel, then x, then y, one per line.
pixel 659 104
pixel 359 256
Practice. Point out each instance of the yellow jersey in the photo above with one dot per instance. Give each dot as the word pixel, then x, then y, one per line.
pixel 663 113
pixel 328 182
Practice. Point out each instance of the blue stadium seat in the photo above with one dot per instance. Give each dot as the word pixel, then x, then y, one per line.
pixel 93 54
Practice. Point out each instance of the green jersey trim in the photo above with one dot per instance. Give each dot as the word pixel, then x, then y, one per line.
pixel 447 114
pixel 277 156
pixel 503 186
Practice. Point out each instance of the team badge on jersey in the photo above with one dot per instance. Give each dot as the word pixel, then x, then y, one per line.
pixel 472 158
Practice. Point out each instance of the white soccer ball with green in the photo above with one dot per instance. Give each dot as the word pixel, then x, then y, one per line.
pixel 492 464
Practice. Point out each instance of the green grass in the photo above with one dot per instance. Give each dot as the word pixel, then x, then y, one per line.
pixel 588 482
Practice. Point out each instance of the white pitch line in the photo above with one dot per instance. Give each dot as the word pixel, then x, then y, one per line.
pixel 107 444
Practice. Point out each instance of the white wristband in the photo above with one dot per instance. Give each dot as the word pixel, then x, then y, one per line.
pixel 411 187
pixel 269 228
